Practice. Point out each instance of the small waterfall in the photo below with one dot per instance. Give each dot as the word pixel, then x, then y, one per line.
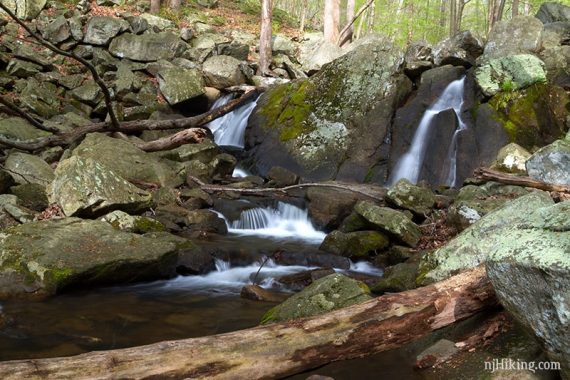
pixel 240 173
pixel 409 165
pixel 229 130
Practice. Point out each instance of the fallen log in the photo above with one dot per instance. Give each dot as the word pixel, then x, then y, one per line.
pixel 518 180
pixel 283 349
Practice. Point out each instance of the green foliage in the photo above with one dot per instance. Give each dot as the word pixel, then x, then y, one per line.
pixel 253 7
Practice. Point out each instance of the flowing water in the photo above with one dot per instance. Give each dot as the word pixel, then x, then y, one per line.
pixel 410 164
pixel 229 130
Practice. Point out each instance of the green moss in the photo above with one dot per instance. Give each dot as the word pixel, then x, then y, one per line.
pixel 268 316
pixel 144 225
pixel 58 278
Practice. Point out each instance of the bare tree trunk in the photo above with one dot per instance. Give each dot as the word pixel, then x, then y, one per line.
pixel 459 13
pixel 279 350
pixel 303 16
pixel 154 6
pixel 349 25
pixel 453 17
pixel 347 32
pixel 265 37
pixel 526 7
pixel 515 10
pixel 331 20
pixel 499 10
pixel 371 17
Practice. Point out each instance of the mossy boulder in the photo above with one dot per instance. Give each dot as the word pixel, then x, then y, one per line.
pixel 395 223
pixel 147 47
pixel 333 125
pixel 179 85
pixel 397 278
pixel 25 9
pixel 27 168
pixel 41 258
pixel 32 196
pixel 551 163
pixel 101 29
pixel 132 223
pixel 529 267
pixel 408 196
pixel 221 71
pixel 471 247
pixel 354 244
pixel 323 295
pixel 19 129
pixel 511 159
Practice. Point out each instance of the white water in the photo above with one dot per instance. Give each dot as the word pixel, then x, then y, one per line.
pixel 285 221
pixel 409 165
pixel 240 173
pixel 229 130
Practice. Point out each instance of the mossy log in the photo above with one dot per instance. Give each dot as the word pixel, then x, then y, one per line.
pixel 282 349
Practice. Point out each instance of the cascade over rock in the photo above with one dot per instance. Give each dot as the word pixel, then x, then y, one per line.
pixel 333 125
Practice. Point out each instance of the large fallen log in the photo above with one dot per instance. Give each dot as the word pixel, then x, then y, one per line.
pixel 282 349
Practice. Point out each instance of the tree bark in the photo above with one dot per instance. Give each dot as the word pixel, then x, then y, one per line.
pixel 350 24
pixel 511 179
pixel 331 20
pixel 283 349
pixel 265 37
pixel 154 6
pixel 345 35
pixel 515 9
pixel 303 17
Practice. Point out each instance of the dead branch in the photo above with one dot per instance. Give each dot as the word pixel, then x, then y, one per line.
pixel 32 120
pixel 342 33
pixel 511 179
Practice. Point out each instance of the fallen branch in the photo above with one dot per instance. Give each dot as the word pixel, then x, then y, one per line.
pixel 32 120
pixel 342 33
pixel 283 349
pixel 373 192
pixel 511 179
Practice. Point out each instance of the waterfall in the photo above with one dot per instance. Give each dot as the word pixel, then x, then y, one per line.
pixel 229 130
pixel 410 164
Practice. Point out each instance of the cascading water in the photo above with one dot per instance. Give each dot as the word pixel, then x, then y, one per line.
pixel 410 164
pixel 229 130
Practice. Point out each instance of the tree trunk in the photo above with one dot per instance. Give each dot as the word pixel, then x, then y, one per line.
pixel 347 32
pixel 154 6
pixel 265 37
pixel 452 17
pixel 331 20
pixel 515 10
pixel 303 17
pixel 526 7
pixel 371 17
pixel 283 349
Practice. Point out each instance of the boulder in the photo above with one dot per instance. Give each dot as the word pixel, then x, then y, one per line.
pixel 529 267
pixel 109 3
pixel 551 164
pixel 418 58
pixel 27 168
pixel 22 69
pixel 25 9
pixel 57 30
pixel 156 21
pixel 553 12
pixel 462 49
pixel 221 71
pixel 90 93
pixel 42 258
pixel 397 278
pixel 325 294
pixel 204 45
pixel 510 73
pixel 520 35
pixel 281 177
pixel 354 244
pixel 83 186
pixel 394 223
pixel 147 47
pixel 404 194
pixel 19 129
pixel 127 161
pixel 334 124
pixel 471 247
pixel 32 196
pixel 511 159
pixel 315 52
pixel 41 97
pixel 101 29
pixel 178 84
pixel 129 223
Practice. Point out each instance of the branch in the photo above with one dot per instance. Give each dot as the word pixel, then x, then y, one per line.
pixel 511 179
pixel 356 16
pixel 32 120
pixel 90 67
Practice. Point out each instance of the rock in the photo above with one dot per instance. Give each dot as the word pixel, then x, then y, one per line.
pixel 204 152
pixel 42 258
pixel 109 3
pixel 57 30
pixel 281 177
pixel 19 129
pixel 126 160
pixel 471 247
pixel 126 81
pixel 257 293
pixel 397 278
pixel 138 25
pixel 41 98
pixel 210 4
pixel 510 73
pixel 205 44
pixel 354 244
pixel 178 85
pixel 390 221
pixel 521 35
pixel 353 222
pixel 511 159
pixel 101 29
pixel 396 254
pixel 313 259
pixel 439 353
pixel 221 71
pixel 90 93
pixel 27 168
pixel 19 213
pixel 32 196
pixel 418 58
pixel 298 281
pixel 223 165
pixel 6 182
pixel 529 268
pixel 404 194
pixel 83 186
pixel 553 12
pixel 551 164
pixel 193 261
pixel 316 52
pixel 22 69
pixel 328 293
pixel 147 47
pixel 137 224
pixel 156 21
pixel 25 9
pixel 205 221
pixel 332 125
pixel 283 44
pixel 462 49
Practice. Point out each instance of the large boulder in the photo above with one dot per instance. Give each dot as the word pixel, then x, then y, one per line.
pixel 222 71
pixel 333 125
pixel 315 52
pixel 101 29
pixel 551 163
pixel 355 244
pixel 41 258
pixel 27 168
pixel 553 12
pixel 57 30
pixel 83 186
pixel 332 292
pixel 178 84
pixel 127 161
pixel 508 73
pixel 521 35
pixel 529 267
pixel 417 199
pixel 147 47
pixel 462 49
pixel 511 159
pixel 20 129
pixel 471 247
pixel 25 9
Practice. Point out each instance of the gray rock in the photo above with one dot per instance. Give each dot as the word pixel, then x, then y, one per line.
pixel 138 24
pixel 89 93
pixel 41 258
pixel 25 9
pixel 397 278
pixel 41 98
pixel 129 223
pixel 462 49
pixel 417 199
pixel 551 164
pixel 19 129
pixel 178 84
pixel 521 35
pixel 316 52
pixel 550 12
pixel 109 3
pixel 283 44
pixel 32 196
pixel 76 28
pixel 27 168
pixel 57 30
pixel 204 45
pixel 83 186
pixel 281 177
pixel 22 69
pixel 158 22
pixel 511 159
pixel 101 29
pixel 221 71
pixel 147 47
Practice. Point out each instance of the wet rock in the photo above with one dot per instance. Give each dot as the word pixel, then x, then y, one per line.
pixel 355 244
pixel 511 159
pixel 129 223
pixel 472 246
pixel 179 85
pixel 313 259
pixel 397 278
pixel 298 281
pixel 281 177
pixel 404 194
pixel 42 258
pixel 460 50
pixel 353 222
pixel 257 293
pixel 83 186
pixel 223 165
pixel 57 30
pixel 101 29
pixel 328 293
pixel 551 163
pixel 27 168
pixel 529 268
pixel 32 196
pixel 520 35
pixel 392 222
pixel 194 261
pixel 147 47
pixel 221 71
